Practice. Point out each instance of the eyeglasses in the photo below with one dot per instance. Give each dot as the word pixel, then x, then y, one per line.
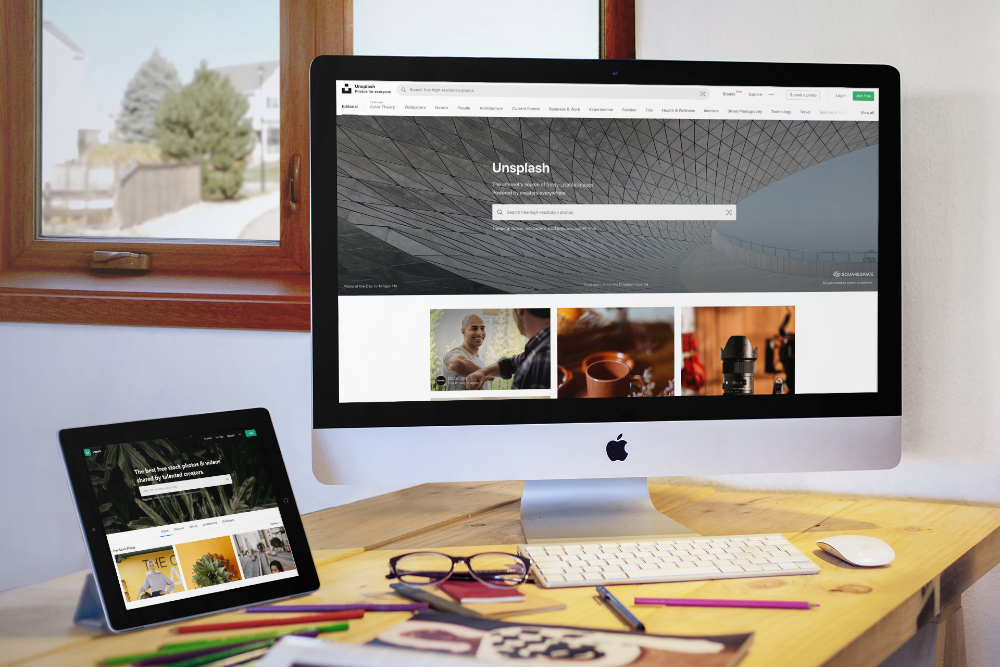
pixel 426 568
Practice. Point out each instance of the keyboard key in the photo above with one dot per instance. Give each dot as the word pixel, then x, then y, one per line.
pixel 615 576
pixel 646 574
pixel 699 569
pixel 574 577
pixel 554 577
pixel 593 576
pixel 751 568
pixel 789 566
pixel 730 569
pixel 768 567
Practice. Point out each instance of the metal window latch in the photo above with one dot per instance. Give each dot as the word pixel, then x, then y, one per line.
pixel 103 260
pixel 293 184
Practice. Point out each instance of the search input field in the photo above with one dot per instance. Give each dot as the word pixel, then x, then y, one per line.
pixel 514 212
pixel 184 485
pixel 542 92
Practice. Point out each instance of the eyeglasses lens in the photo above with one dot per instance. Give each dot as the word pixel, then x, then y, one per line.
pixel 498 570
pixel 421 569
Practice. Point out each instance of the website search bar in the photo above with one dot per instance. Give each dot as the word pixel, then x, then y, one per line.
pixel 515 212
pixel 548 92
pixel 184 485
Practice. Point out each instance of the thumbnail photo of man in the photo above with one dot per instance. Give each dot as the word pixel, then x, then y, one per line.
pixel 495 349
pixel 151 573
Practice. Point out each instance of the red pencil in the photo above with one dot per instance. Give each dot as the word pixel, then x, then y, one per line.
pixel 265 622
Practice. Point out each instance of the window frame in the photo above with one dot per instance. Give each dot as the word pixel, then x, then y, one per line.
pixel 222 284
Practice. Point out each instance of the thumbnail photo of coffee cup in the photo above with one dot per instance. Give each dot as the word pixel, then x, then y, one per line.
pixel 738 350
pixel 615 352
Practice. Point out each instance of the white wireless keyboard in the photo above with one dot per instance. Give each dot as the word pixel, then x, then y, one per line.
pixel 681 559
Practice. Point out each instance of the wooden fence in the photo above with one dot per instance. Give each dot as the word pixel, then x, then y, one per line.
pixel 148 191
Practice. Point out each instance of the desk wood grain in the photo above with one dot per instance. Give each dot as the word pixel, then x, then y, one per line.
pixel 865 614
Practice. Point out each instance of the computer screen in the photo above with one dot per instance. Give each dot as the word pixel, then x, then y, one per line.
pixel 513 238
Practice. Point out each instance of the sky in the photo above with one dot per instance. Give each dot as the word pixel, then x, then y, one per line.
pixel 118 35
pixel 832 205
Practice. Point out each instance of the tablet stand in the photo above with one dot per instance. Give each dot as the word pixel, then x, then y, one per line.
pixel 90 609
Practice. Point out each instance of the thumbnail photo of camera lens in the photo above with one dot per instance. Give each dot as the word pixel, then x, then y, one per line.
pixel 756 350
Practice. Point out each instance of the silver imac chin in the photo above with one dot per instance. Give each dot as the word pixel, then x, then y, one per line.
pixel 577 486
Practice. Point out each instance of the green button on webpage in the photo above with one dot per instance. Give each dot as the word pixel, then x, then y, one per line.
pixel 864 95
pixel 251 432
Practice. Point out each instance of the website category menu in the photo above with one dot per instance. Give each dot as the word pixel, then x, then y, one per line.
pixel 401 98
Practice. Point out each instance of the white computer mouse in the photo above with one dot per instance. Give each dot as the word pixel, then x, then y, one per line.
pixel 858 550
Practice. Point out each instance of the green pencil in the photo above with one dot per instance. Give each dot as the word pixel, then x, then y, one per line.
pixel 209 643
pixel 219 655
pixel 182 647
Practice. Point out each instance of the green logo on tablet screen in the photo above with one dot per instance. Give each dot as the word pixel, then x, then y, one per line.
pixel 86 452
pixel 251 432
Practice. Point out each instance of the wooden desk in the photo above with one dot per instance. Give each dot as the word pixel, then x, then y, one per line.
pixel 865 615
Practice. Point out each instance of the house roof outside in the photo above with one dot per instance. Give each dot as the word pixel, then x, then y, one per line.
pixel 245 78
pixel 51 28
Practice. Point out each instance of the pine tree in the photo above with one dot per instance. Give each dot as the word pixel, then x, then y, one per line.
pixel 137 121
pixel 204 122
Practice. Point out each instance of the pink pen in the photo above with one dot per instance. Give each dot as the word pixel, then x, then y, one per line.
pixel 747 604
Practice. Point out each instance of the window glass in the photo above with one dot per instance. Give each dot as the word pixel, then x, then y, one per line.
pixel 160 120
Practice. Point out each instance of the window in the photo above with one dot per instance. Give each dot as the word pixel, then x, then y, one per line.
pixel 233 283
pixel 252 283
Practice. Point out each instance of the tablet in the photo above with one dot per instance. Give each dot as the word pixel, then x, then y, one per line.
pixel 186 516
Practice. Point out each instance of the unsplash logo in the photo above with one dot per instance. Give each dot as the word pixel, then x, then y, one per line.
pixel 853 274
pixel 346 90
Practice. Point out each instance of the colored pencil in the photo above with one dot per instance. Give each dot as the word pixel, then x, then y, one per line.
pixel 208 643
pixel 222 654
pixel 266 622
pixel 180 650
pixel 747 604
pixel 171 658
pixel 315 608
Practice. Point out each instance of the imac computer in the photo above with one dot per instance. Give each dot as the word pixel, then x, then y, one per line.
pixel 583 273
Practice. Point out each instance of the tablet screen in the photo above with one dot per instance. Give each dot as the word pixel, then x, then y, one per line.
pixel 189 516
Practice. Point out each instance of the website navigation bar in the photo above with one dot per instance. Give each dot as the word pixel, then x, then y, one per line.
pixel 396 98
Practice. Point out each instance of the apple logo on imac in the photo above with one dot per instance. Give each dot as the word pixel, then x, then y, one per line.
pixel 616 449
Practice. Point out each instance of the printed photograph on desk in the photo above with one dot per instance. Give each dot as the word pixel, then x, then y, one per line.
pixel 738 350
pixel 264 552
pixel 497 641
pixel 490 353
pixel 149 574
pixel 615 352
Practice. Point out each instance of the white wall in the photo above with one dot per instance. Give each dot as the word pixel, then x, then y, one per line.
pixel 56 376
pixel 948 56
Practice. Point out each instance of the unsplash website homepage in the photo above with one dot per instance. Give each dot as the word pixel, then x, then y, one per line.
pixel 188 516
pixel 591 241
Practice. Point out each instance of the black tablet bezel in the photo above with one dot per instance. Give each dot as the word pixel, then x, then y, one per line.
pixel 328 412
pixel 74 441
